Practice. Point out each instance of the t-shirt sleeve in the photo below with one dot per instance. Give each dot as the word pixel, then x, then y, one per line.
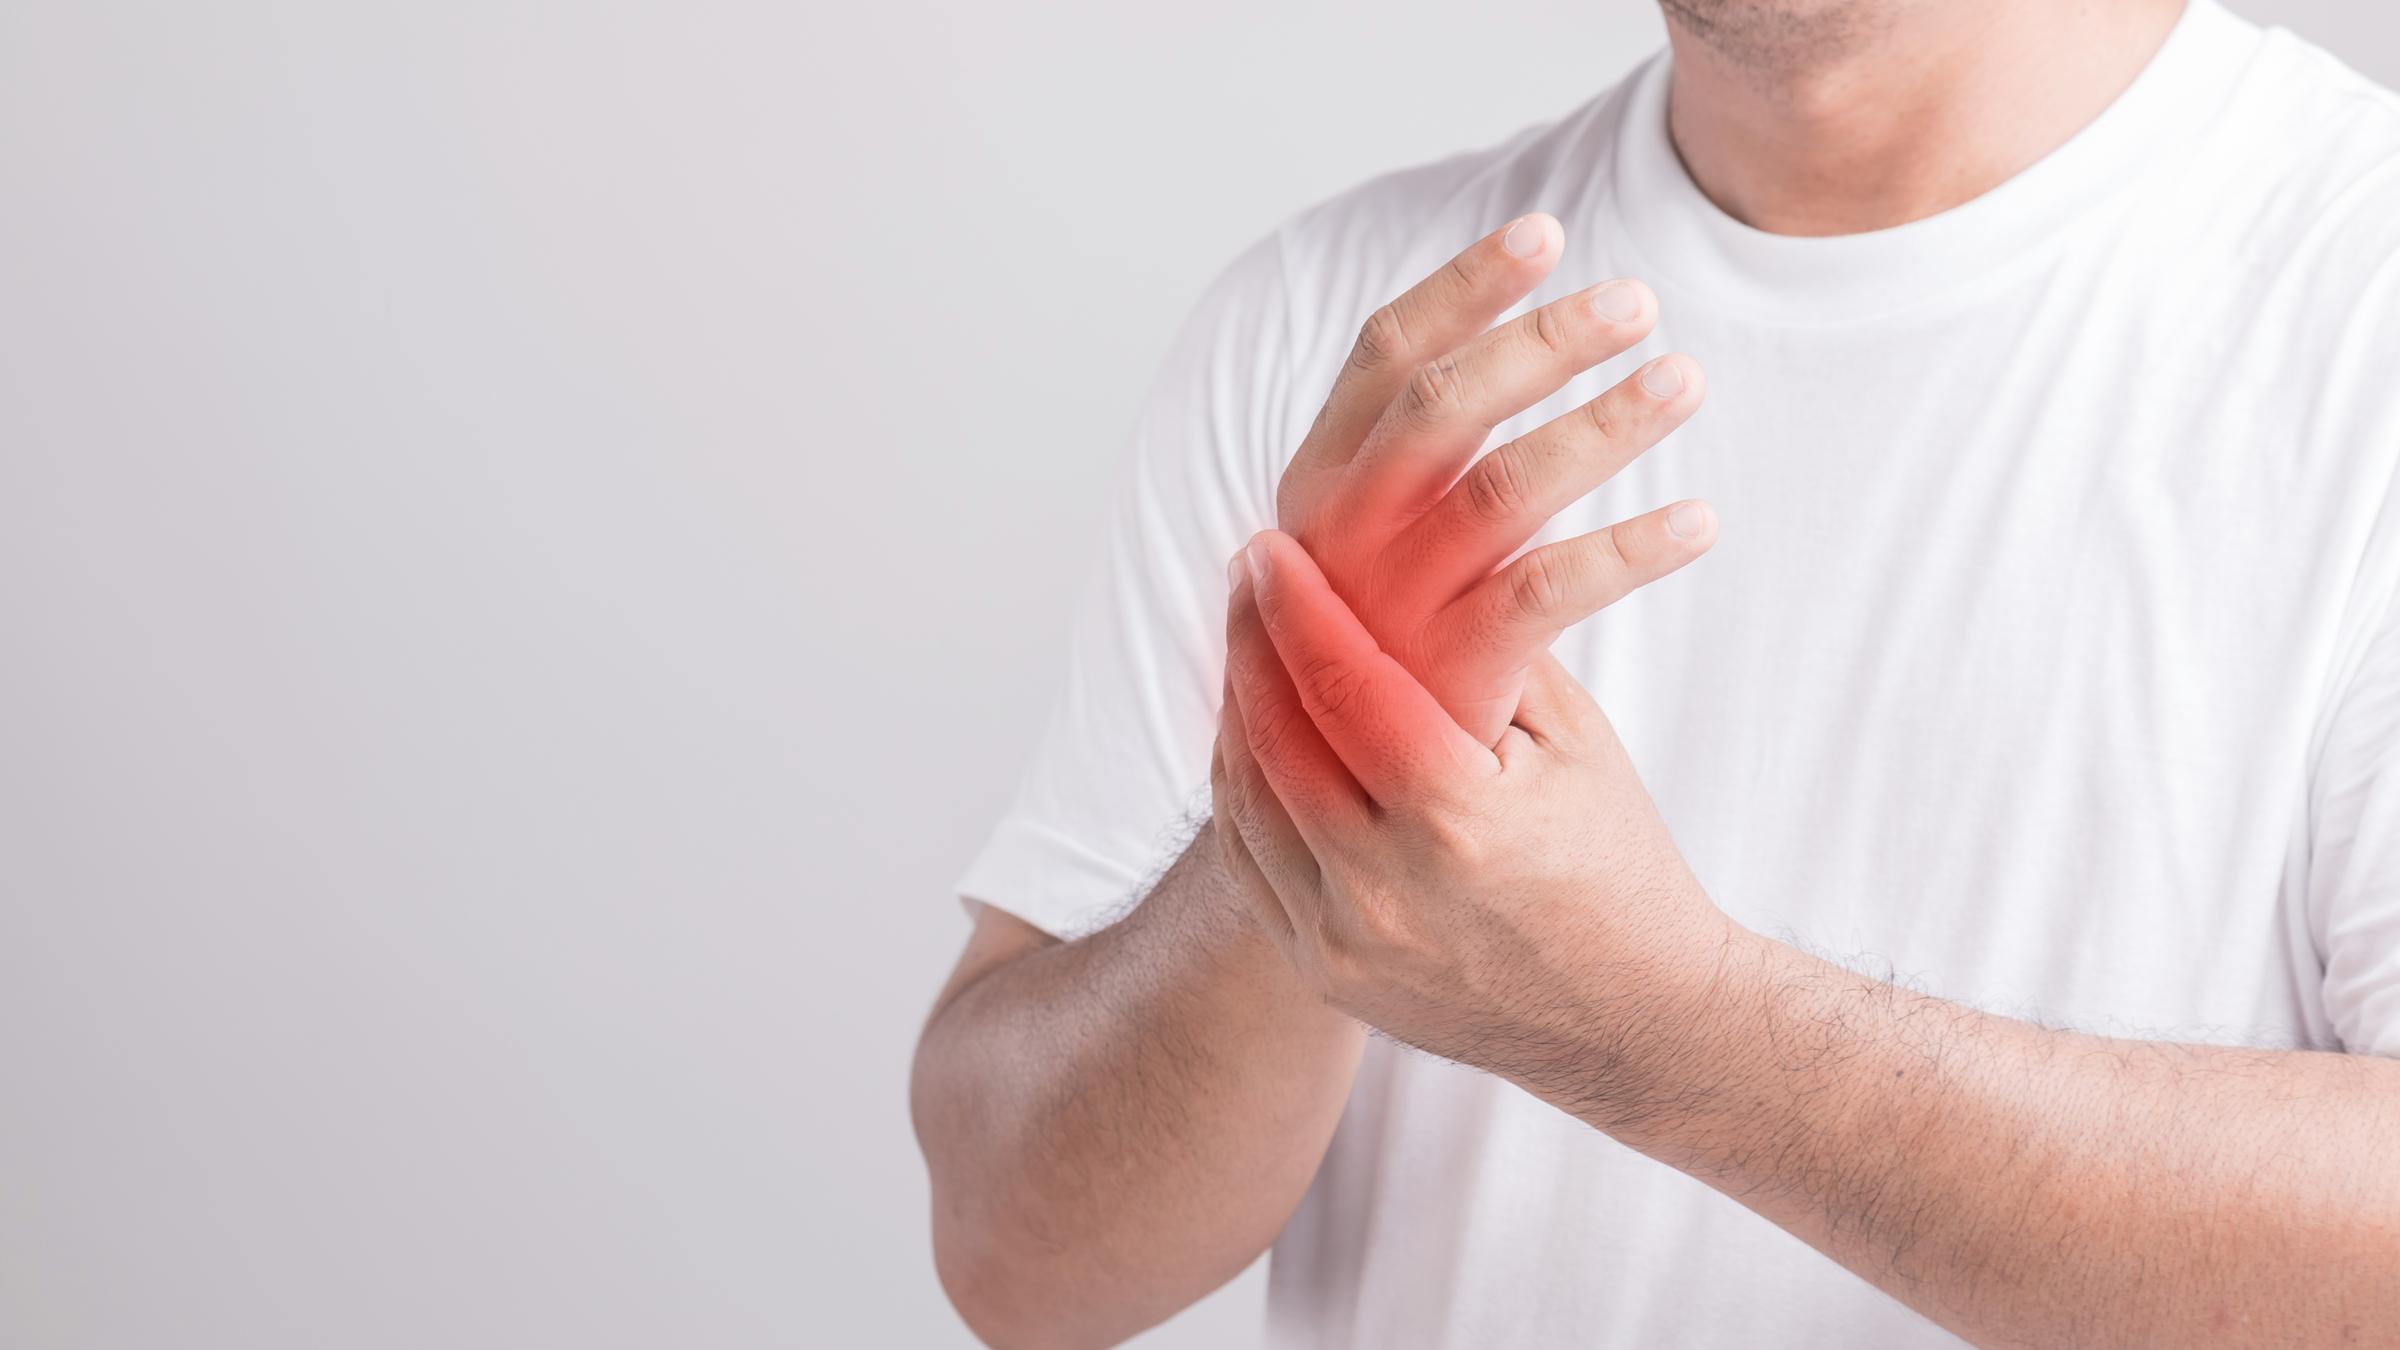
pixel 2354 794
pixel 2354 856
pixel 1122 766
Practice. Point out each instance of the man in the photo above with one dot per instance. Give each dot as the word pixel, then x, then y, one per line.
pixel 1977 912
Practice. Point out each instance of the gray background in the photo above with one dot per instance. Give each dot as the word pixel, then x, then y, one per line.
pixel 533 539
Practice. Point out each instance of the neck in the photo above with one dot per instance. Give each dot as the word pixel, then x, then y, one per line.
pixel 1817 117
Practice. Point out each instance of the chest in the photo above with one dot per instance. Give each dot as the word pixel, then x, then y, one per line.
pixel 2006 666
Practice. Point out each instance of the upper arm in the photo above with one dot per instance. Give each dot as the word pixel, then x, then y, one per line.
pixel 998 938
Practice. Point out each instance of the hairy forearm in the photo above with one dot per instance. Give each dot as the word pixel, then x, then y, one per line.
pixel 1118 1124
pixel 1520 906
pixel 2025 1186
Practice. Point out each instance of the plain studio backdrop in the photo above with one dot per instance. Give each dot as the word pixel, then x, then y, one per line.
pixel 533 541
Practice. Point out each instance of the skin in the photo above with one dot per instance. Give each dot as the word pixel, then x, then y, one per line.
pixel 2019 1185
pixel 1818 117
pixel 1117 1124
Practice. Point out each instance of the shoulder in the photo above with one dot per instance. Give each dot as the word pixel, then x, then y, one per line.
pixel 2346 112
pixel 2305 194
pixel 2310 170
pixel 2270 237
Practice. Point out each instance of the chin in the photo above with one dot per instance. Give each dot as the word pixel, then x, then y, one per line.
pixel 1779 31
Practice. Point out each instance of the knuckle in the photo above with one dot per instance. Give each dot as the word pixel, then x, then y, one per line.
pixel 1341 692
pixel 1455 839
pixel 1381 931
pixel 1382 339
pixel 1497 490
pixel 1272 733
pixel 1549 330
pixel 1435 392
pixel 1364 942
pixel 1613 553
pixel 1545 582
pixel 1600 420
pixel 1379 927
pixel 1334 686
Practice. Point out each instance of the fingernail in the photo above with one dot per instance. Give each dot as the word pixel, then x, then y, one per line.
pixel 1663 378
pixel 1688 520
pixel 1617 302
pixel 1233 571
pixel 1524 239
pixel 1256 554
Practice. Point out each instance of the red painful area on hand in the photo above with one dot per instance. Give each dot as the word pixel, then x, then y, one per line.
pixel 1383 727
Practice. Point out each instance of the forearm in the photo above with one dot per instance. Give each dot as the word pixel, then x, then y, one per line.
pixel 2024 1186
pixel 1521 907
pixel 1116 1125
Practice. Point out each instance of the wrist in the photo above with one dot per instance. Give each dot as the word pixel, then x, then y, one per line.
pixel 1216 912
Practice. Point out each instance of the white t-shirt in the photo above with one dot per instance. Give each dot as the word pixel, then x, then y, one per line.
pixel 2049 658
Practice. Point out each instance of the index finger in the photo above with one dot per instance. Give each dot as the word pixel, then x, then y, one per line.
pixel 1461 299
pixel 1393 736
pixel 1267 737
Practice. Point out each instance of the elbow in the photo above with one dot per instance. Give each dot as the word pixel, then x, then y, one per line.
pixel 968 1282
pixel 990 1270
pixel 1006 1302
pixel 1001 1263
pixel 977 1292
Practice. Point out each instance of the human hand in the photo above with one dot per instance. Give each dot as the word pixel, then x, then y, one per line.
pixel 1519 908
pixel 1377 495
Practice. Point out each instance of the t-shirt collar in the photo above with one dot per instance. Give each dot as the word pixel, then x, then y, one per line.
pixel 1690 244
